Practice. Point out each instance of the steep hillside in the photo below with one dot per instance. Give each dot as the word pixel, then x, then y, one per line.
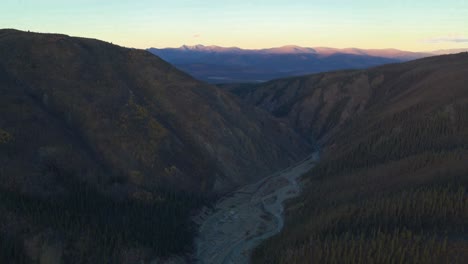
pixel 99 141
pixel 317 104
pixel 314 105
pixel 393 180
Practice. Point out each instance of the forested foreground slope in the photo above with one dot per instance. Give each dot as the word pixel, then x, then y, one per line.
pixel 105 151
pixel 392 184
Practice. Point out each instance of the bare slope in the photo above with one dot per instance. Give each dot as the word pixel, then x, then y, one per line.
pixel 317 104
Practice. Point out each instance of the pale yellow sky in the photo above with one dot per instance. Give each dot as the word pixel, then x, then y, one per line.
pixel 402 24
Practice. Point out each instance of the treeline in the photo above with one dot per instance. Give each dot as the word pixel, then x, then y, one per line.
pixel 422 225
pixel 379 247
pixel 97 228
pixel 393 190
pixel 399 136
pixel 11 250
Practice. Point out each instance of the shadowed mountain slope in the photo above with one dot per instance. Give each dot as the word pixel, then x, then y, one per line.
pixel 137 115
pixel 317 104
pixel 393 180
pixel 86 125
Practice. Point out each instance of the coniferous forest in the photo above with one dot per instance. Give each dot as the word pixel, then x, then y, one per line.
pixel 392 186
pixel 96 228
pixel 107 153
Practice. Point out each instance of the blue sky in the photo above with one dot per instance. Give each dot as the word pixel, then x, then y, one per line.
pixel 403 24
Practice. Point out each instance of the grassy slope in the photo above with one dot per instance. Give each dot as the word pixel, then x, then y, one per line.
pixel 392 185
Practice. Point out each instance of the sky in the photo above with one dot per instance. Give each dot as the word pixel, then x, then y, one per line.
pixel 415 25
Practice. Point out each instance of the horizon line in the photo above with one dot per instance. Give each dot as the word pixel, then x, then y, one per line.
pixel 233 47
pixel 303 47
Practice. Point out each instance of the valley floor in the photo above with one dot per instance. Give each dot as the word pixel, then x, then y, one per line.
pixel 248 216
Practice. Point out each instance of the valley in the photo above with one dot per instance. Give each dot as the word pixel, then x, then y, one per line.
pixel 243 219
pixel 392 180
pixel 112 155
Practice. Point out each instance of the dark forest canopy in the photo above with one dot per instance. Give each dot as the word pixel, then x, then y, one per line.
pixel 392 184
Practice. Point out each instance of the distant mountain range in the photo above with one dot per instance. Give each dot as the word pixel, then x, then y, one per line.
pixel 217 64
